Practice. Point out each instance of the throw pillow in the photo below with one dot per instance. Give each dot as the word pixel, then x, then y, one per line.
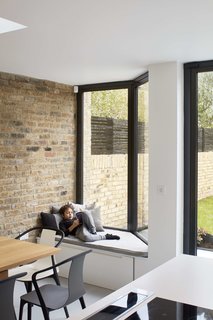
pixel 77 207
pixel 54 210
pixel 48 220
pixel 96 214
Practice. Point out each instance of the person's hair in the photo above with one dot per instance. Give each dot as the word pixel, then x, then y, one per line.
pixel 64 208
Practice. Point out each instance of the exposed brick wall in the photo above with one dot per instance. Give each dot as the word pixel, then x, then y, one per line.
pixel 37 149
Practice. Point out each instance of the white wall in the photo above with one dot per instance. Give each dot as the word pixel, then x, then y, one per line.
pixel 165 165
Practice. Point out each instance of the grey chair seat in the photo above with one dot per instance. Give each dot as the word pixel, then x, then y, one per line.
pixel 56 300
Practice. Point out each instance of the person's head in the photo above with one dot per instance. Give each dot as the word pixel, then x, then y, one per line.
pixel 66 212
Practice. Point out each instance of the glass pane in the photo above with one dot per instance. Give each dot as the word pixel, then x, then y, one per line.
pixel 143 158
pixel 106 154
pixel 205 160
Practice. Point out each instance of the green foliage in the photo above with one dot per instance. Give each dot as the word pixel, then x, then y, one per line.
pixel 205 214
pixel 114 103
pixel 143 104
pixel 205 100
pixel 110 104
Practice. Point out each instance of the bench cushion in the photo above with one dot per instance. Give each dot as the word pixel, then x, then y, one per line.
pixel 128 244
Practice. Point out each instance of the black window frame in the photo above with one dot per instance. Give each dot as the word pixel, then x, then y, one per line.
pixel 191 71
pixel 132 87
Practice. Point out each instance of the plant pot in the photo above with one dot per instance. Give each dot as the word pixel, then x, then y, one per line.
pixel 208 238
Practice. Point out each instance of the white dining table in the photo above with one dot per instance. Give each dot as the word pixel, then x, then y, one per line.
pixel 185 278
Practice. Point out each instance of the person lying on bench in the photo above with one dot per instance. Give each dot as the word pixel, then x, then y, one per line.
pixel 80 226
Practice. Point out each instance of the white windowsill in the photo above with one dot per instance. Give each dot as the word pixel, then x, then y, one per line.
pixel 204 253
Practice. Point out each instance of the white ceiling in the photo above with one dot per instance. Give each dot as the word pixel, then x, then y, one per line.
pixel 91 41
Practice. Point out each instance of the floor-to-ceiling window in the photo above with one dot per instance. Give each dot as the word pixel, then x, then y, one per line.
pixel 105 159
pixel 198 193
pixel 112 151
pixel 143 158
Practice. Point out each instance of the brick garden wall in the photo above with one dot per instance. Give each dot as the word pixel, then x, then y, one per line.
pixel 37 149
pixel 106 184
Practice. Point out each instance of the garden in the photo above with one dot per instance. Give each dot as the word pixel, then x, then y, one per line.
pixel 205 223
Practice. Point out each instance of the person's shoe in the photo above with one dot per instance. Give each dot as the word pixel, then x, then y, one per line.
pixel 112 237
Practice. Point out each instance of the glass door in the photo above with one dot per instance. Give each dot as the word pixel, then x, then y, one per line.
pixel 198 158
pixel 205 160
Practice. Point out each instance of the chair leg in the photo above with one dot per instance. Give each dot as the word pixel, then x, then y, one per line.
pixel 28 286
pixel 66 312
pixel 56 278
pixel 29 311
pixel 45 313
pixel 22 303
pixel 82 302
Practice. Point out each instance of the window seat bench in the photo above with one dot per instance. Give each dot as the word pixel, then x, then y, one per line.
pixel 111 264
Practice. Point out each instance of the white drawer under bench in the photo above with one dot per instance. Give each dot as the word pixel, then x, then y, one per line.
pixel 111 264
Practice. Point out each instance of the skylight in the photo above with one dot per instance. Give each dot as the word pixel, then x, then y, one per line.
pixel 7 26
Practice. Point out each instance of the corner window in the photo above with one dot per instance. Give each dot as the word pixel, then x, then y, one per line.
pixel 112 152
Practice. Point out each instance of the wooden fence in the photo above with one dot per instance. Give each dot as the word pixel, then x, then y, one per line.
pixel 205 139
pixel 110 136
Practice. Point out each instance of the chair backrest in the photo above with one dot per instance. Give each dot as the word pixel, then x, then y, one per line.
pixel 75 278
pixel 6 297
pixel 48 237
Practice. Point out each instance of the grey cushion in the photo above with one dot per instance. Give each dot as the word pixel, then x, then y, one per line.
pixel 58 218
pixel 54 209
pixel 77 207
pixel 96 214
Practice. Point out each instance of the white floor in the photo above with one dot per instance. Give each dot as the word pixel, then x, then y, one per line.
pixel 92 295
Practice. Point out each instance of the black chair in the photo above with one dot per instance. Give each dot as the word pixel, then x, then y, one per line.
pixel 48 237
pixel 51 297
pixel 6 297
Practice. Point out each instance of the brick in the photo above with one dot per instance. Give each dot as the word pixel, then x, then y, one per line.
pixel 33 122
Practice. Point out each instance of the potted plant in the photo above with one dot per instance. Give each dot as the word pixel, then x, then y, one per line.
pixel 204 239
pixel 201 233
